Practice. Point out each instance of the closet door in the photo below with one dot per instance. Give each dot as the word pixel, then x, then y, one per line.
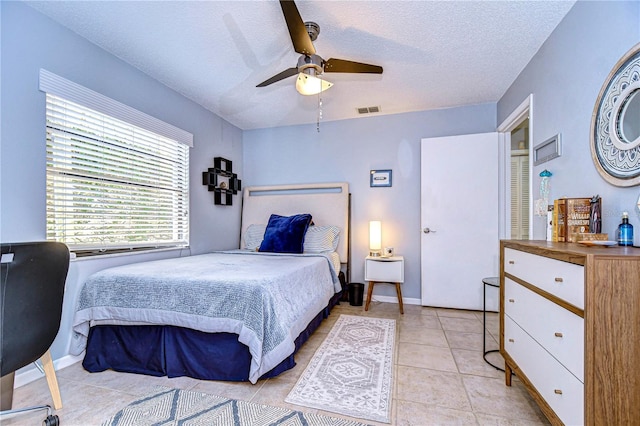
pixel 520 197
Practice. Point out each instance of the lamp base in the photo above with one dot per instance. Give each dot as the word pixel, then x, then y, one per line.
pixel 375 254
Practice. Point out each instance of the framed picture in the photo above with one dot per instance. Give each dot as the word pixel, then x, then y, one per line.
pixel 380 178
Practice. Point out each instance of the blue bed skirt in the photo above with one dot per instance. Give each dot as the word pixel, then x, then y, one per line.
pixel 158 350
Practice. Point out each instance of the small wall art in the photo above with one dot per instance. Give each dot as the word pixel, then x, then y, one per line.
pixel 380 178
pixel 222 181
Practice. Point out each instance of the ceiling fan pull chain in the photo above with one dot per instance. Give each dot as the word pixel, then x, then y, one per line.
pixel 319 112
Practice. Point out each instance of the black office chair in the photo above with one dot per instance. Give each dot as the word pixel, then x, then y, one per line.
pixel 32 288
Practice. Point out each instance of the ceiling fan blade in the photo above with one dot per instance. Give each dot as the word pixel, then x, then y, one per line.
pixel 281 76
pixel 340 65
pixel 299 36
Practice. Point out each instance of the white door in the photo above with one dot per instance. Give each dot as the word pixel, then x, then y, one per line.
pixel 459 218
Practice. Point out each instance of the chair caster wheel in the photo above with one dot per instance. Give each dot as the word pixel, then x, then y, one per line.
pixel 51 420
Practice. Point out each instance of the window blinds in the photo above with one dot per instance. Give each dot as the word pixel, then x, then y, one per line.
pixel 55 85
pixel 111 184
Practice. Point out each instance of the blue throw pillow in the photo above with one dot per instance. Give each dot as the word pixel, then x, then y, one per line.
pixel 285 234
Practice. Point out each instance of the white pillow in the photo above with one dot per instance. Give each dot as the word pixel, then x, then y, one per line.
pixel 253 236
pixel 321 239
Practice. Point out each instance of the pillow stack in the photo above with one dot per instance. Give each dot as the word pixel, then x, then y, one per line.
pixel 286 234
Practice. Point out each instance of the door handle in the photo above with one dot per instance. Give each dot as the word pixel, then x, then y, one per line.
pixel 428 231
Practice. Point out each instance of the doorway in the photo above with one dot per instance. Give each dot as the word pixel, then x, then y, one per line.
pixel 516 202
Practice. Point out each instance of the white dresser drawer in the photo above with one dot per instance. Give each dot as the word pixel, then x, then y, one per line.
pixel 384 270
pixel 562 391
pixel 564 280
pixel 559 331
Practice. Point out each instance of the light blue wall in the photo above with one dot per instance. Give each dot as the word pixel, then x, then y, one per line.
pixel 31 41
pixel 565 77
pixel 346 151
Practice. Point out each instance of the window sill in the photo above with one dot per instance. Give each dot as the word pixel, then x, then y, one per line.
pixel 106 255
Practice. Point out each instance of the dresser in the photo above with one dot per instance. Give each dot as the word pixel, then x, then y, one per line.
pixel 570 329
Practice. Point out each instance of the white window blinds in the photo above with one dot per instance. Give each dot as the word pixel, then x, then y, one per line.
pixel 113 185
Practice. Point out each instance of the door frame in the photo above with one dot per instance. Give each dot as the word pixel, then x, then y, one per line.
pixel 517 116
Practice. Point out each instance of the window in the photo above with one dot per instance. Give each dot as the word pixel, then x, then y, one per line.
pixel 112 184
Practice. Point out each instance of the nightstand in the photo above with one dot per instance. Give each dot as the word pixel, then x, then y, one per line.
pixel 388 270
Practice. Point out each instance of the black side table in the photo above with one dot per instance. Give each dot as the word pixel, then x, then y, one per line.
pixel 491 282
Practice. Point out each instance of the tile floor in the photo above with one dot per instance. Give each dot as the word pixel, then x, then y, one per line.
pixel 440 377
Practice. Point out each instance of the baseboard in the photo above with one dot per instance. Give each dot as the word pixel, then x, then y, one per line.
pixel 393 299
pixel 30 373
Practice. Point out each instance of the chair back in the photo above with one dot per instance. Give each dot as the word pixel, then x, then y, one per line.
pixel 31 292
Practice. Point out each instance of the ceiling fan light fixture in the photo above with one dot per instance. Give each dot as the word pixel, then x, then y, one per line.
pixel 311 85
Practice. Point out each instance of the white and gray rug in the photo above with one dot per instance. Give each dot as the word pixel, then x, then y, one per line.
pixel 351 372
pixel 167 406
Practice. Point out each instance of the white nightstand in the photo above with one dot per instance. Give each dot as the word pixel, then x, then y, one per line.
pixel 384 270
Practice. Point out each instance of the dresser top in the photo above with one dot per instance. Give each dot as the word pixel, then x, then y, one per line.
pixel 570 252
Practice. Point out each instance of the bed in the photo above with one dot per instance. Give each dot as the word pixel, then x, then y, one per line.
pixel 232 315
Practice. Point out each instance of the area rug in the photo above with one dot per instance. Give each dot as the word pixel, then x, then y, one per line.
pixel 351 372
pixel 167 406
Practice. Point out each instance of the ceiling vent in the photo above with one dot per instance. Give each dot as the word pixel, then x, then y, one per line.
pixel 368 110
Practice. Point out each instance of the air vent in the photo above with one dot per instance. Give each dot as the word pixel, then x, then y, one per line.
pixel 368 110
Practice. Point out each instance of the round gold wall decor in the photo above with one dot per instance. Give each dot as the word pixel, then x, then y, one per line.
pixel 615 123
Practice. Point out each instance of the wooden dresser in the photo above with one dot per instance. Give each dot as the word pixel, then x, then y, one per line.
pixel 570 329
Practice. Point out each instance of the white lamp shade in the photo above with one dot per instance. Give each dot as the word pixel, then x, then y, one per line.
pixel 375 236
pixel 311 85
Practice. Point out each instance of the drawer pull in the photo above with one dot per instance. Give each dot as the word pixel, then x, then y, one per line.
pixel 558 280
pixel 511 340
pixel 511 262
pixel 558 334
pixel 557 391
pixel 511 300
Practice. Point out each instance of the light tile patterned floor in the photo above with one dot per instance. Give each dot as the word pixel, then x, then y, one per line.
pixel 440 377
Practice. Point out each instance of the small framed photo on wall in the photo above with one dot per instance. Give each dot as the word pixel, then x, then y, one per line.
pixel 380 178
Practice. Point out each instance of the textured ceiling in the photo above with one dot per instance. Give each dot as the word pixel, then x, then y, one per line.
pixel 434 54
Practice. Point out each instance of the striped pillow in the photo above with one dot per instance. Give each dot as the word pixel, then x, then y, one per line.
pixel 321 239
pixel 253 236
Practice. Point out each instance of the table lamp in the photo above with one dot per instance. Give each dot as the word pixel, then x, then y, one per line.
pixel 375 238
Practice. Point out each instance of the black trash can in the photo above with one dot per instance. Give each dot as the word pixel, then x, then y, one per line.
pixel 356 292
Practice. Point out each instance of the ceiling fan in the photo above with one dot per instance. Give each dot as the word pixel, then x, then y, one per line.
pixel 310 65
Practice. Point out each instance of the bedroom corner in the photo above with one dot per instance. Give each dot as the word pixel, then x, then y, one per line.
pixel 29 43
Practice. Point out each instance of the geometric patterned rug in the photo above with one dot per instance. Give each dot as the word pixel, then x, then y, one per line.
pixel 167 406
pixel 351 372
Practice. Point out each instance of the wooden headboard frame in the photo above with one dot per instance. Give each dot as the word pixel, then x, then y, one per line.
pixel 328 204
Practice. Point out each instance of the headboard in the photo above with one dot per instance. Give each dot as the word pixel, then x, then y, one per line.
pixel 328 204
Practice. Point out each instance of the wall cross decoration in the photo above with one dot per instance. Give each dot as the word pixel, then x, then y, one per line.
pixel 222 181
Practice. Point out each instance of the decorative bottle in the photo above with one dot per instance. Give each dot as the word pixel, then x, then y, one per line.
pixel 625 231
